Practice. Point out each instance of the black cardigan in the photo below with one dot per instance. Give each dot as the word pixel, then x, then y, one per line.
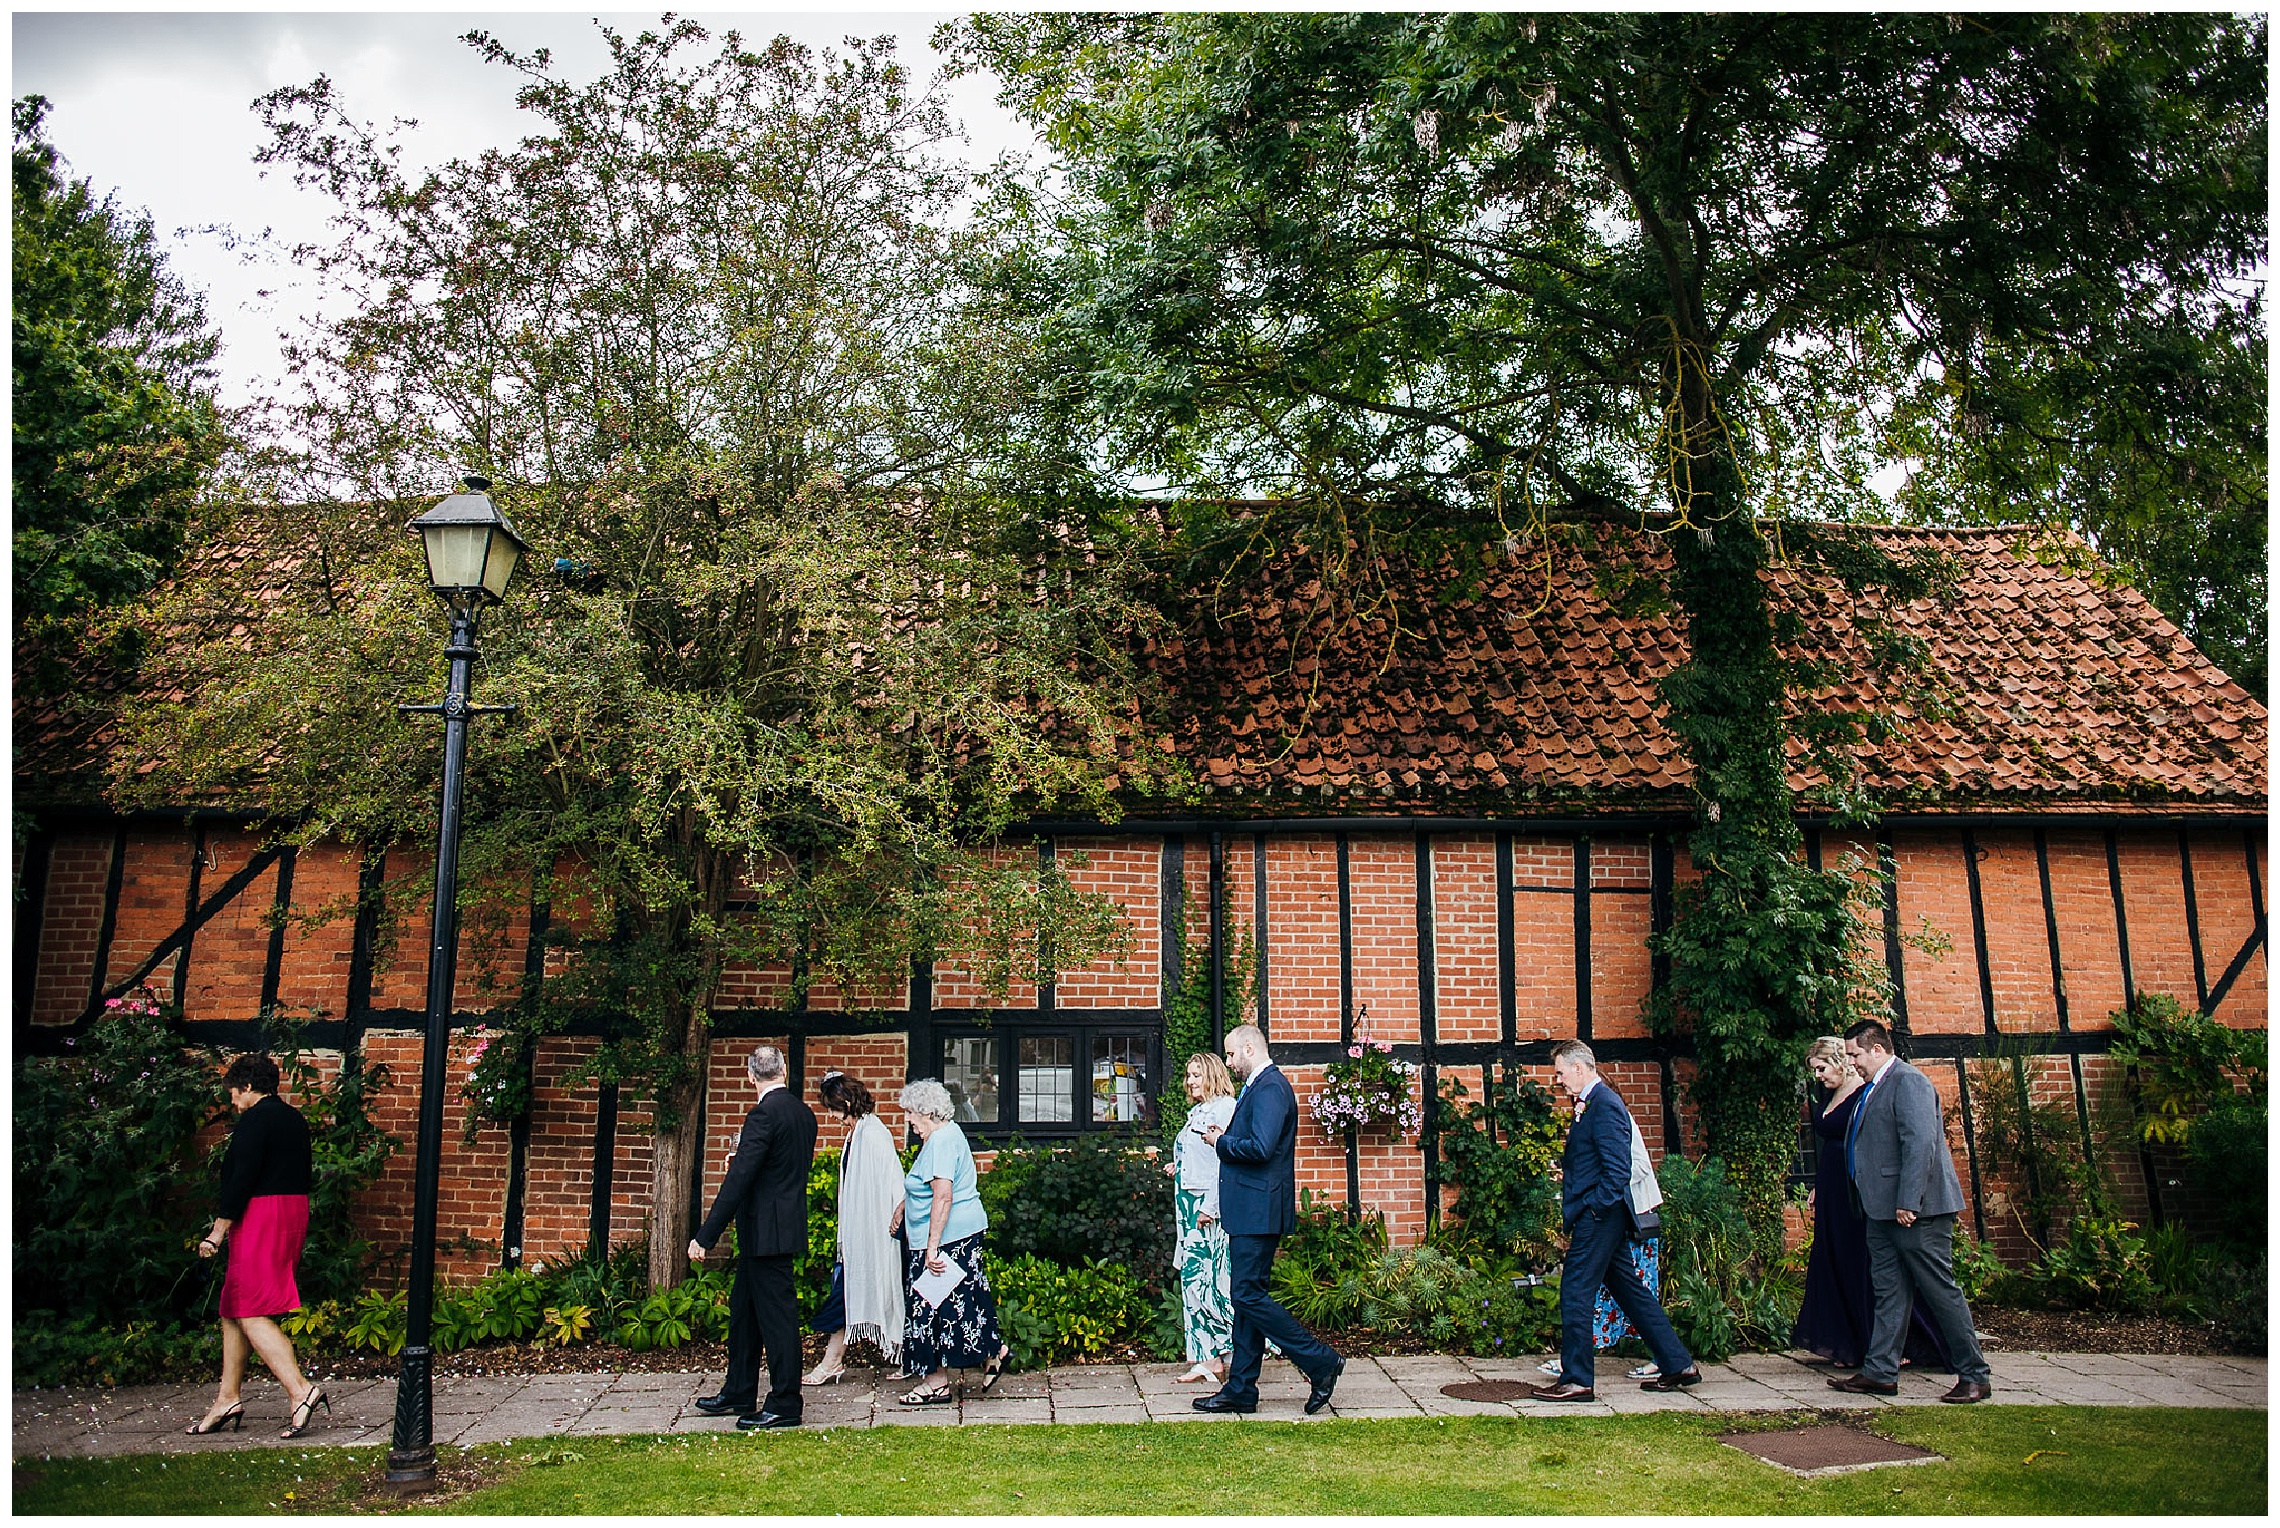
pixel 269 1154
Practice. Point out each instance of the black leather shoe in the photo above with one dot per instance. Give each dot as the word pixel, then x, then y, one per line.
pixel 722 1406
pixel 1673 1381
pixel 1966 1392
pixel 1861 1384
pixel 1563 1392
pixel 769 1419
pixel 1221 1401
pixel 1320 1396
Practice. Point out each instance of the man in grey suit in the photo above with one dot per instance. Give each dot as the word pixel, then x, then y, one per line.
pixel 1897 1155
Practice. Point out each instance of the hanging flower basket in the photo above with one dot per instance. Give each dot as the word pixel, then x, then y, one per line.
pixel 1368 1089
pixel 498 1084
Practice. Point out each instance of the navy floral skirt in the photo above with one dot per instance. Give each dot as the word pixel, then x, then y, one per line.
pixel 961 1332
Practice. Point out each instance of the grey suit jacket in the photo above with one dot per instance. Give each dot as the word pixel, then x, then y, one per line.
pixel 1900 1156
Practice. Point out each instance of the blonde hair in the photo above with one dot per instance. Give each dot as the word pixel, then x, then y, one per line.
pixel 1828 1048
pixel 1217 1083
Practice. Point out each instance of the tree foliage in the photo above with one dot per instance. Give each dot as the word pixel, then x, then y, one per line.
pixel 1444 279
pixel 790 659
pixel 114 425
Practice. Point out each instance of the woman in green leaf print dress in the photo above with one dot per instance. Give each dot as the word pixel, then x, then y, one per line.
pixel 1206 1309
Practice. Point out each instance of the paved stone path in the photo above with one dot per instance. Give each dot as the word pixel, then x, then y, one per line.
pixel 150 1418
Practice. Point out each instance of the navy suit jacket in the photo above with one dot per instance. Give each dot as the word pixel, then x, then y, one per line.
pixel 1258 1174
pixel 1595 1170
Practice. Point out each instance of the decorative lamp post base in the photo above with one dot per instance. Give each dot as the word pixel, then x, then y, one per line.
pixel 411 1468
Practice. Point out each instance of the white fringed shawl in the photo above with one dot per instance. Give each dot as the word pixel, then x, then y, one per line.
pixel 870 1186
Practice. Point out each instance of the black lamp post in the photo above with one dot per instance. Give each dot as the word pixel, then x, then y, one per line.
pixel 472 552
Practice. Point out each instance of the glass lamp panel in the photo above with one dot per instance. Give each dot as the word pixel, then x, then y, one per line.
pixel 456 554
pixel 499 566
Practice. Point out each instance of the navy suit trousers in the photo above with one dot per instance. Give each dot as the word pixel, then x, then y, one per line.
pixel 1259 1318
pixel 1595 1257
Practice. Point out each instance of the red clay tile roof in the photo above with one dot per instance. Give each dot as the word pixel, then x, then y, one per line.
pixel 1528 694
pixel 1531 694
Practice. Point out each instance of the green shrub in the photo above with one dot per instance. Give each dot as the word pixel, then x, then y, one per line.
pixel 1979 1273
pixel 2187 1063
pixel 2236 1302
pixel 1051 1314
pixel 2100 1265
pixel 1102 1198
pixel 376 1324
pixel 2225 1160
pixel 1499 1154
pixel 1704 1228
pixel 812 1274
pixel 1700 1315
pixel 106 1172
pixel 81 1350
pixel 1327 1263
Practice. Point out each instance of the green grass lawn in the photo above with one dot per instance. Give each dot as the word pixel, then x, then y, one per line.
pixel 2085 1459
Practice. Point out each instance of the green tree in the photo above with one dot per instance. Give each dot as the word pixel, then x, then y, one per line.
pixel 114 424
pixel 1438 281
pixel 785 648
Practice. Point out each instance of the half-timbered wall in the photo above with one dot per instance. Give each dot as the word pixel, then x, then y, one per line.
pixel 1468 949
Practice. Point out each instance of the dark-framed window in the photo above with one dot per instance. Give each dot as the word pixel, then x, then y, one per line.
pixel 1049 1075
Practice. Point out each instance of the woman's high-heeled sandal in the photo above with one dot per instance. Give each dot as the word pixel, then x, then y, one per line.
pixel 939 1397
pixel 818 1379
pixel 994 1369
pixel 305 1411
pixel 233 1419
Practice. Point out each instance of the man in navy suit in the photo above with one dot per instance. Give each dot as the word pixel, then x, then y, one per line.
pixel 1258 1204
pixel 1595 1180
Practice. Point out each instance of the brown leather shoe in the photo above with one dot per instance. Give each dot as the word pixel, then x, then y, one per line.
pixel 1673 1381
pixel 1861 1384
pixel 1563 1393
pixel 1966 1391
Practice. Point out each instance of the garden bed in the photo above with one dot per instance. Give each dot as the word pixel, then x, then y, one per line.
pixel 2009 1329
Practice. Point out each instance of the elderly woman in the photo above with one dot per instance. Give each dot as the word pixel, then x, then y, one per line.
pixel 943 1220
pixel 265 1219
pixel 1207 1313
pixel 867 1283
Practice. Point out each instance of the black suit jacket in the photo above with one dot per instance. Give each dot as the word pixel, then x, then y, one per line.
pixel 766 1186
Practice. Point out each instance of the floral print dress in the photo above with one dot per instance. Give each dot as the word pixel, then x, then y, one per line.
pixel 1207 1310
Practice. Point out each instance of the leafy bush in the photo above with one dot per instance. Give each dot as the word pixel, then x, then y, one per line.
pixel 377 1323
pixel 106 1181
pixel 812 1273
pixel 2226 1161
pixel 1699 1314
pixel 1979 1273
pixel 81 1350
pixel 2236 1302
pixel 1050 1313
pixel 1704 1228
pixel 1499 1154
pixel 1327 1263
pixel 2100 1265
pixel 1102 1198
pixel 2187 1062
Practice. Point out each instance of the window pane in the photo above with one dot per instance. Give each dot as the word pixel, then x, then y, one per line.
pixel 1048 1079
pixel 1119 1079
pixel 969 1071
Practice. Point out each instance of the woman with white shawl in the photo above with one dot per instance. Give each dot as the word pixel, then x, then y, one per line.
pixel 867 1283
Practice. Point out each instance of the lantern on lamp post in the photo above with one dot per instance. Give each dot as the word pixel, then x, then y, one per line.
pixel 472 554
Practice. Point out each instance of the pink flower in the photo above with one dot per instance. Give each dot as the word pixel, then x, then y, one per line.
pixel 113 1002
pixel 1355 1051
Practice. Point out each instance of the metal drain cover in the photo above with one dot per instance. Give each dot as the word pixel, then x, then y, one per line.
pixel 1489 1390
pixel 1826 1450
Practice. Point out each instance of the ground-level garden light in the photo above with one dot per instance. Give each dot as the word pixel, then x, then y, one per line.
pixel 472 553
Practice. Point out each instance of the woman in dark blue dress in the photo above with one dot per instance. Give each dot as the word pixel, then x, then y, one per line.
pixel 1839 1309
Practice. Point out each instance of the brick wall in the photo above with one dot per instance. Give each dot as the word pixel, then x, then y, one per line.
pixel 229 958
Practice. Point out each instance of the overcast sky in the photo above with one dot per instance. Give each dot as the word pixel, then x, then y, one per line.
pixel 157 107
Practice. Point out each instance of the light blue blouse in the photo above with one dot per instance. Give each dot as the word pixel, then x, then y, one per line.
pixel 945 1155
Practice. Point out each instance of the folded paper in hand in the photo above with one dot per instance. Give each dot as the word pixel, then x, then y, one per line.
pixel 932 1287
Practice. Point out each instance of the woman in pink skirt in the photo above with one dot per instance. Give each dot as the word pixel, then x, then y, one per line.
pixel 265 1219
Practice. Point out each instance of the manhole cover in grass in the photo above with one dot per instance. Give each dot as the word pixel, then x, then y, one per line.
pixel 1489 1390
pixel 1826 1450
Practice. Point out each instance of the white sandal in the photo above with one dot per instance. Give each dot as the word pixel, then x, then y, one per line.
pixel 1196 1376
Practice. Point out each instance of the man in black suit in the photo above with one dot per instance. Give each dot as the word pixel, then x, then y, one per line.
pixel 1595 1181
pixel 766 1190
pixel 1258 1204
